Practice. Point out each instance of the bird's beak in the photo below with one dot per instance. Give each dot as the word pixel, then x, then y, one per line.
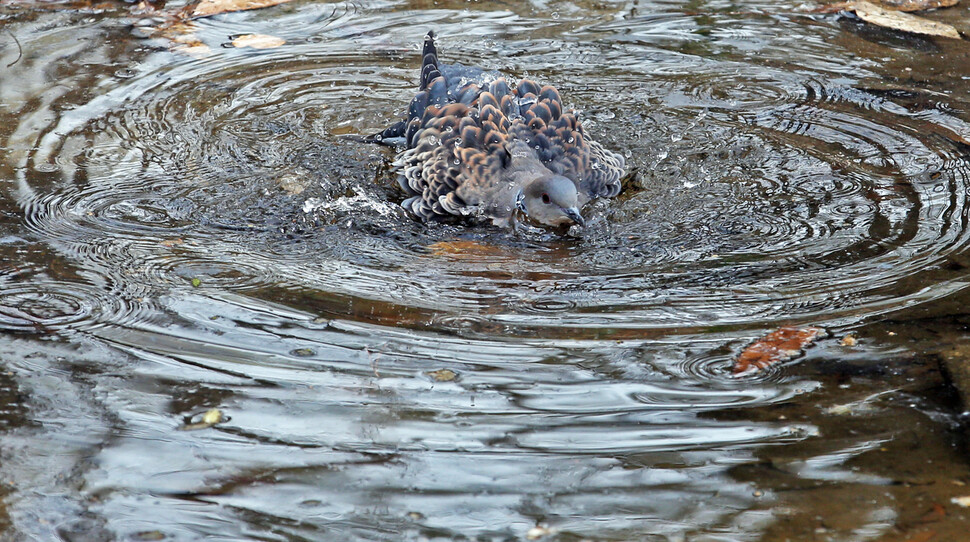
pixel 573 214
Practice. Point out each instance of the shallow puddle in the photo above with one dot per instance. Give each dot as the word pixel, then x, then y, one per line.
pixel 189 230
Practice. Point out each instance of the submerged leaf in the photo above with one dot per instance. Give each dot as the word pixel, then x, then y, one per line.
pixel 896 20
pixel 780 345
pixel 460 249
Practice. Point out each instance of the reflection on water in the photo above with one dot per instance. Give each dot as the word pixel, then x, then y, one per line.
pixel 188 232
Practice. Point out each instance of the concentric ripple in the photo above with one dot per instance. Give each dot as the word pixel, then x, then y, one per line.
pixel 781 195
pixel 36 304
pixel 199 233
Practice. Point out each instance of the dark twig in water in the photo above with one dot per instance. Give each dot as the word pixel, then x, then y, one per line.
pixel 20 51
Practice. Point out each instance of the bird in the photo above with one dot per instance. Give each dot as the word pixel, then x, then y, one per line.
pixel 472 144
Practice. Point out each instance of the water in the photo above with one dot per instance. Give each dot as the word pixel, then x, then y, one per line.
pixel 190 231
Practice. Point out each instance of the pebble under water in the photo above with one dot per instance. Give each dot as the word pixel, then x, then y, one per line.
pixel 189 228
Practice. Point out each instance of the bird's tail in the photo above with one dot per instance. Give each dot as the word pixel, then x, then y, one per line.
pixel 429 61
pixel 397 133
pixel 391 136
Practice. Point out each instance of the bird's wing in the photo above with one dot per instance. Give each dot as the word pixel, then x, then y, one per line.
pixel 457 155
pixel 558 139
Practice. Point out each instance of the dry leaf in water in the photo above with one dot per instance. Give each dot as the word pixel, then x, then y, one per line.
pixel 892 5
pixel 780 345
pixel 916 5
pixel 442 375
pixel 258 41
pixel 210 418
pixel 207 8
pixel 172 242
pixel 873 14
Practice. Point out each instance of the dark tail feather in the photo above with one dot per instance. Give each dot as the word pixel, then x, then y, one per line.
pixel 429 61
pixel 397 134
pixel 390 136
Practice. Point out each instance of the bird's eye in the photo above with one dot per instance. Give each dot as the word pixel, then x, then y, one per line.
pixel 545 198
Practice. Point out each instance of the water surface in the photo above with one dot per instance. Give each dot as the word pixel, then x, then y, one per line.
pixel 192 231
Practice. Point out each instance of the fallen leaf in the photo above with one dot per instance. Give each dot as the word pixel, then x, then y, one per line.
pixel 258 41
pixel 210 418
pixel 896 20
pixel 849 340
pixel 893 5
pixel 832 8
pixel 780 345
pixel 916 5
pixel 207 8
pixel 442 375
pixel 171 242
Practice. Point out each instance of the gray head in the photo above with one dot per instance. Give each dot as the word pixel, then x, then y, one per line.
pixel 551 200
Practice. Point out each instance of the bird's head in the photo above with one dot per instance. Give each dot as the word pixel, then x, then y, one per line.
pixel 551 200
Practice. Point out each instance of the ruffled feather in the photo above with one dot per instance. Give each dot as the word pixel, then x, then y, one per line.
pixel 457 137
